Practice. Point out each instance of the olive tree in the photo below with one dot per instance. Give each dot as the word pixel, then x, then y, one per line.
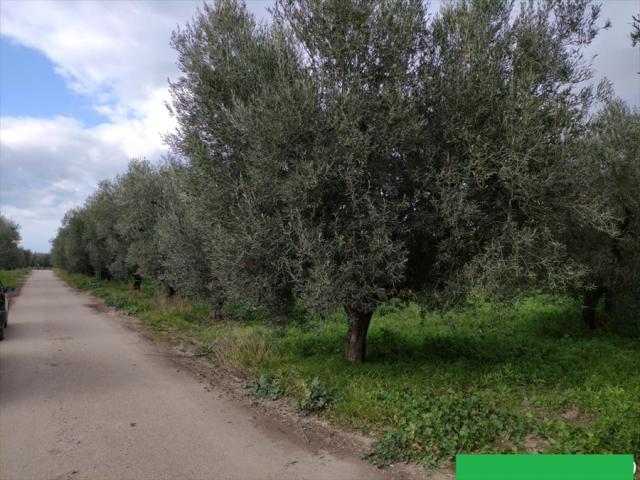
pixel 352 149
pixel 139 202
pixel 306 135
pixel 181 240
pixel 507 100
pixel 611 153
pixel 225 61
pixel 69 247
pixel 88 240
pixel 11 255
pixel 104 245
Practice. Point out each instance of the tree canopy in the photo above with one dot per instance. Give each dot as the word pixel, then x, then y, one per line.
pixel 349 151
pixel 12 255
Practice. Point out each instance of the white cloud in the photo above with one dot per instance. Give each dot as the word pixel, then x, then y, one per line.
pixel 117 53
pixel 50 165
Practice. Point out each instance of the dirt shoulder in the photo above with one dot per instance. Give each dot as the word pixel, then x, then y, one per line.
pixel 88 393
pixel 275 416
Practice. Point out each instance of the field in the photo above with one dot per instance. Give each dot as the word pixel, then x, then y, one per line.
pixel 528 378
pixel 9 278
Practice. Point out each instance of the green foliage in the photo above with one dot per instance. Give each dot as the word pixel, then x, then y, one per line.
pixel 12 255
pixel 140 202
pixel 611 152
pixel 434 430
pixel 113 235
pixel 352 151
pixel 442 160
pixel 10 278
pixel 181 238
pixel 137 225
pixel 509 105
pixel 394 305
pixel 69 249
pixel 316 397
pixel 267 386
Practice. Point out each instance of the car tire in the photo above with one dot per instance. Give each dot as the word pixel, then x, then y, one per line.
pixel 3 322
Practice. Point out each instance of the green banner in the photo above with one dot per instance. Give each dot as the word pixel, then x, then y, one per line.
pixel 544 467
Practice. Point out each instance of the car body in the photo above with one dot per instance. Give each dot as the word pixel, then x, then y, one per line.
pixel 4 308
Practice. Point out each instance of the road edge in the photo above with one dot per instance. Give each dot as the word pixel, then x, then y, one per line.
pixel 312 431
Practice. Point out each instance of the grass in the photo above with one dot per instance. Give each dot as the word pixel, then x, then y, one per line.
pixel 9 278
pixel 526 378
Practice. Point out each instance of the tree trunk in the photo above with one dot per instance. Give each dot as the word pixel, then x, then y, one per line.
pixel 215 314
pixel 589 304
pixel 609 302
pixel 169 291
pixel 357 334
pixel 137 282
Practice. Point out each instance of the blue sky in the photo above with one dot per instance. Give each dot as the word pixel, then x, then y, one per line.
pixel 83 86
pixel 30 86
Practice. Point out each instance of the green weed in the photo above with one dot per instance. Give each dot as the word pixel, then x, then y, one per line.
pixel 267 386
pixel 10 278
pixel 316 397
pixel 433 430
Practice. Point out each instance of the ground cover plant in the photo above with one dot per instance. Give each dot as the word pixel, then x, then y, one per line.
pixel 10 278
pixel 530 377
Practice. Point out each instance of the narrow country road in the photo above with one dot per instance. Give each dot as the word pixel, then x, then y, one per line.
pixel 83 397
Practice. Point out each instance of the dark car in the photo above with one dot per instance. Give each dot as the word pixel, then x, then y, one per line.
pixel 4 308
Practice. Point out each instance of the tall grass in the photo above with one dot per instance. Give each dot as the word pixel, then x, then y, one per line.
pixel 10 278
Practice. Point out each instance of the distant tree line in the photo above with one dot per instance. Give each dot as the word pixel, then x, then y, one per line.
pixel 12 255
pixel 353 151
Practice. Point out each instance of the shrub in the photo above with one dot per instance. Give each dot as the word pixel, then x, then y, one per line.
pixel 267 386
pixel 317 397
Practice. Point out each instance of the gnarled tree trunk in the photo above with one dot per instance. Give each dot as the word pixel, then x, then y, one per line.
pixel 169 291
pixel 609 302
pixel 216 309
pixel 589 305
pixel 357 334
pixel 137 282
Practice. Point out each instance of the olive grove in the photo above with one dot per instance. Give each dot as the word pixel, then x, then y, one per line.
pixel 349 151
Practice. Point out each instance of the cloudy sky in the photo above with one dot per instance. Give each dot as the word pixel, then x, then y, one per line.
pixel 83 86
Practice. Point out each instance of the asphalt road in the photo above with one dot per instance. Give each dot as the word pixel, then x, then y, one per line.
pixel 83 397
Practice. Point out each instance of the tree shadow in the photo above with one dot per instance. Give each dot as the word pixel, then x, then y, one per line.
pixel 560 355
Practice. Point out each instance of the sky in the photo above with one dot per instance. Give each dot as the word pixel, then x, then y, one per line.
pixel 83 87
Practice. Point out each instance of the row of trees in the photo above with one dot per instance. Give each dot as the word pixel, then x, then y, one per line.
pixel 138 225
pixel 352 150
pixel 12 255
